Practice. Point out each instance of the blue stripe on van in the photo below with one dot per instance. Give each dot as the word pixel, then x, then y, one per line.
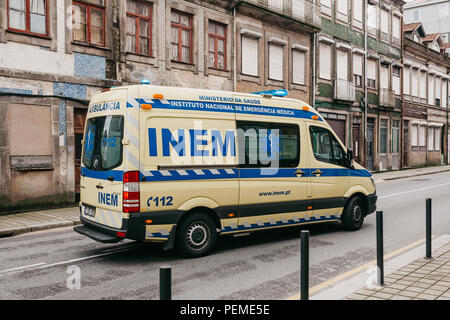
pixel 229 108
pixel 222 174
pixel 117 175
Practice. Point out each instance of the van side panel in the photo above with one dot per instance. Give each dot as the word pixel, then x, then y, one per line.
pixel 189 163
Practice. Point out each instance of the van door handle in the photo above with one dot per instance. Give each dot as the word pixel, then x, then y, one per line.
pixel 99 186
pixel 300 173
pixel 111 179
pixel 317 172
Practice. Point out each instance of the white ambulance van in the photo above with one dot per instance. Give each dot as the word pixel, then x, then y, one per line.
pixel 182 166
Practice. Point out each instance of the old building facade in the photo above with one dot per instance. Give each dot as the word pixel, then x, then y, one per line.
pixel 358 77
pixel 425 90
pixel 55 54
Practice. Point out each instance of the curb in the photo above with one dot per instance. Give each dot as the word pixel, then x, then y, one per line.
pixel 38 227
pixel 409 175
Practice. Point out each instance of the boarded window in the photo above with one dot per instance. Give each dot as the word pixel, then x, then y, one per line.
pixel 372 74
pixel 396 27
pixel 414 135
pixel 406 80
pixel 357 69
pixel 430 90
pixel 30 130
pixel 250 56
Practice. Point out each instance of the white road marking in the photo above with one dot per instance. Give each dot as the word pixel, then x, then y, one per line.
pixel 21 268
pixel 416 190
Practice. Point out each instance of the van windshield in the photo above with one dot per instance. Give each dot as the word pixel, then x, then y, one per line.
pixel 103 143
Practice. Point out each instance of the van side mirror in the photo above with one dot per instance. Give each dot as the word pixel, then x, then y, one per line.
pixel 349 158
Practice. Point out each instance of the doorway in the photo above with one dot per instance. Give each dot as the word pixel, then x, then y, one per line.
pixel 79 123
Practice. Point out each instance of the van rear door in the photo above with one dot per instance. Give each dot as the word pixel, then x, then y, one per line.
pixel 102 160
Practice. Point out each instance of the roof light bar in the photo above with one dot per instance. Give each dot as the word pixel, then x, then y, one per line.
pixel 274 93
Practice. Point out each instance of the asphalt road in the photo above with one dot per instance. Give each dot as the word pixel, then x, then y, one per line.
pixel 262 266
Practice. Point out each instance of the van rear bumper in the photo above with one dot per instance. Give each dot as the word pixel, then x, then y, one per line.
pixel 132 229
pixel 372 203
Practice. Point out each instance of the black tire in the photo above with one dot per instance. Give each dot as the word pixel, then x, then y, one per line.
pixel 196 235
pixel 354 214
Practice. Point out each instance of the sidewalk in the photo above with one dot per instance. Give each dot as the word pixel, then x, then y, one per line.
pixel 407 173
pixel 19 223
pixel 423 279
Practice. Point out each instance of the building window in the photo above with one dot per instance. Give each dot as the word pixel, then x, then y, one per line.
pixel 250 56
pixel 406 80
pixel 276 62
pixel 298 67
pixel 430 139
pixel 437 139
pixel 89 22
pixel 414 135
pixel 357 69
pixel 181 25
pixel 217 45
pixel 384 22
pixel 396 80
pixel 358 11
pixel 396 27
pixel 139 27
pixel 415 15
pixel 342 65
pixel 372 16
pixel 372 74
pixel 422 135
pixel 395 136
pixel 342 9
pixel 325 61
pixel 383 136
pixel 28 16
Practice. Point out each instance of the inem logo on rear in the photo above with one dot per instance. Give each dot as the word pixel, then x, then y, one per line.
pixel 108 199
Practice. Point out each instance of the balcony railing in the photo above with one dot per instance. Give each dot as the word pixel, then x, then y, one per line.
pixel 387 98
pixel 301 10
pixel 344 90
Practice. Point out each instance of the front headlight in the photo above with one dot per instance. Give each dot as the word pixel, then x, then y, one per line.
pixel 373 182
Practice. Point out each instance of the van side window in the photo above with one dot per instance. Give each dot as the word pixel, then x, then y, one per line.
pixel 263 144
pixel 325 146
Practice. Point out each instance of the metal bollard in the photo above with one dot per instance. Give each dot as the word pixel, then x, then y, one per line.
pixel 428 229
pixel 165 283
pixel 380 250
pixel 304 266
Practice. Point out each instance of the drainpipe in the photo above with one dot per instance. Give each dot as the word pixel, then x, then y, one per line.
pixel 234 51
pixel 402 134
pixel 366 104
pixel 314 79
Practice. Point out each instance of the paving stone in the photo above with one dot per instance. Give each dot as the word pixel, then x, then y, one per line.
pixel 399 297
pixel 407 293
pixel 427 296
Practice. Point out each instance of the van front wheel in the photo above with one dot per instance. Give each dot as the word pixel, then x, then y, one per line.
pixel 196 235
pixel 354 214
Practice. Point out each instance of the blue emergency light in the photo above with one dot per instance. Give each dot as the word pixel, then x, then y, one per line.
pixel 274 93
pixel 145 81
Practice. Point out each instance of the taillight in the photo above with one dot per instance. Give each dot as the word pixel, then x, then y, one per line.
pixel 131 192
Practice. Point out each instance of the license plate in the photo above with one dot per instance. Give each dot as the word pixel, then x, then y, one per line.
pixel 89 211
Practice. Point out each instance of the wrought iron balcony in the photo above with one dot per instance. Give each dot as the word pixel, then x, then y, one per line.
pixel 344 90
pixel 386 98
pixel 302 11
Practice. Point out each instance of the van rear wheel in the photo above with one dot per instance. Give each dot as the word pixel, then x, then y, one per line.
pixel 354 214
pixel 196 235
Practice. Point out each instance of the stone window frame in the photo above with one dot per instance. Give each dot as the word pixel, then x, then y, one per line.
pixel 73 46
pixel 278 40
pixel 131 56
pixel 196 24
pixel 228 22
pixel 252 32
pixel 46 41
pixel 296 45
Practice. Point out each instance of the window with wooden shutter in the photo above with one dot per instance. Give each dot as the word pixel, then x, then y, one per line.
pixel 250 56
pixel 342 64
pixel 372 74
pixel 298 67
pixel 406 79
pixel 325 61
pixel 275 62
pixel 357 69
